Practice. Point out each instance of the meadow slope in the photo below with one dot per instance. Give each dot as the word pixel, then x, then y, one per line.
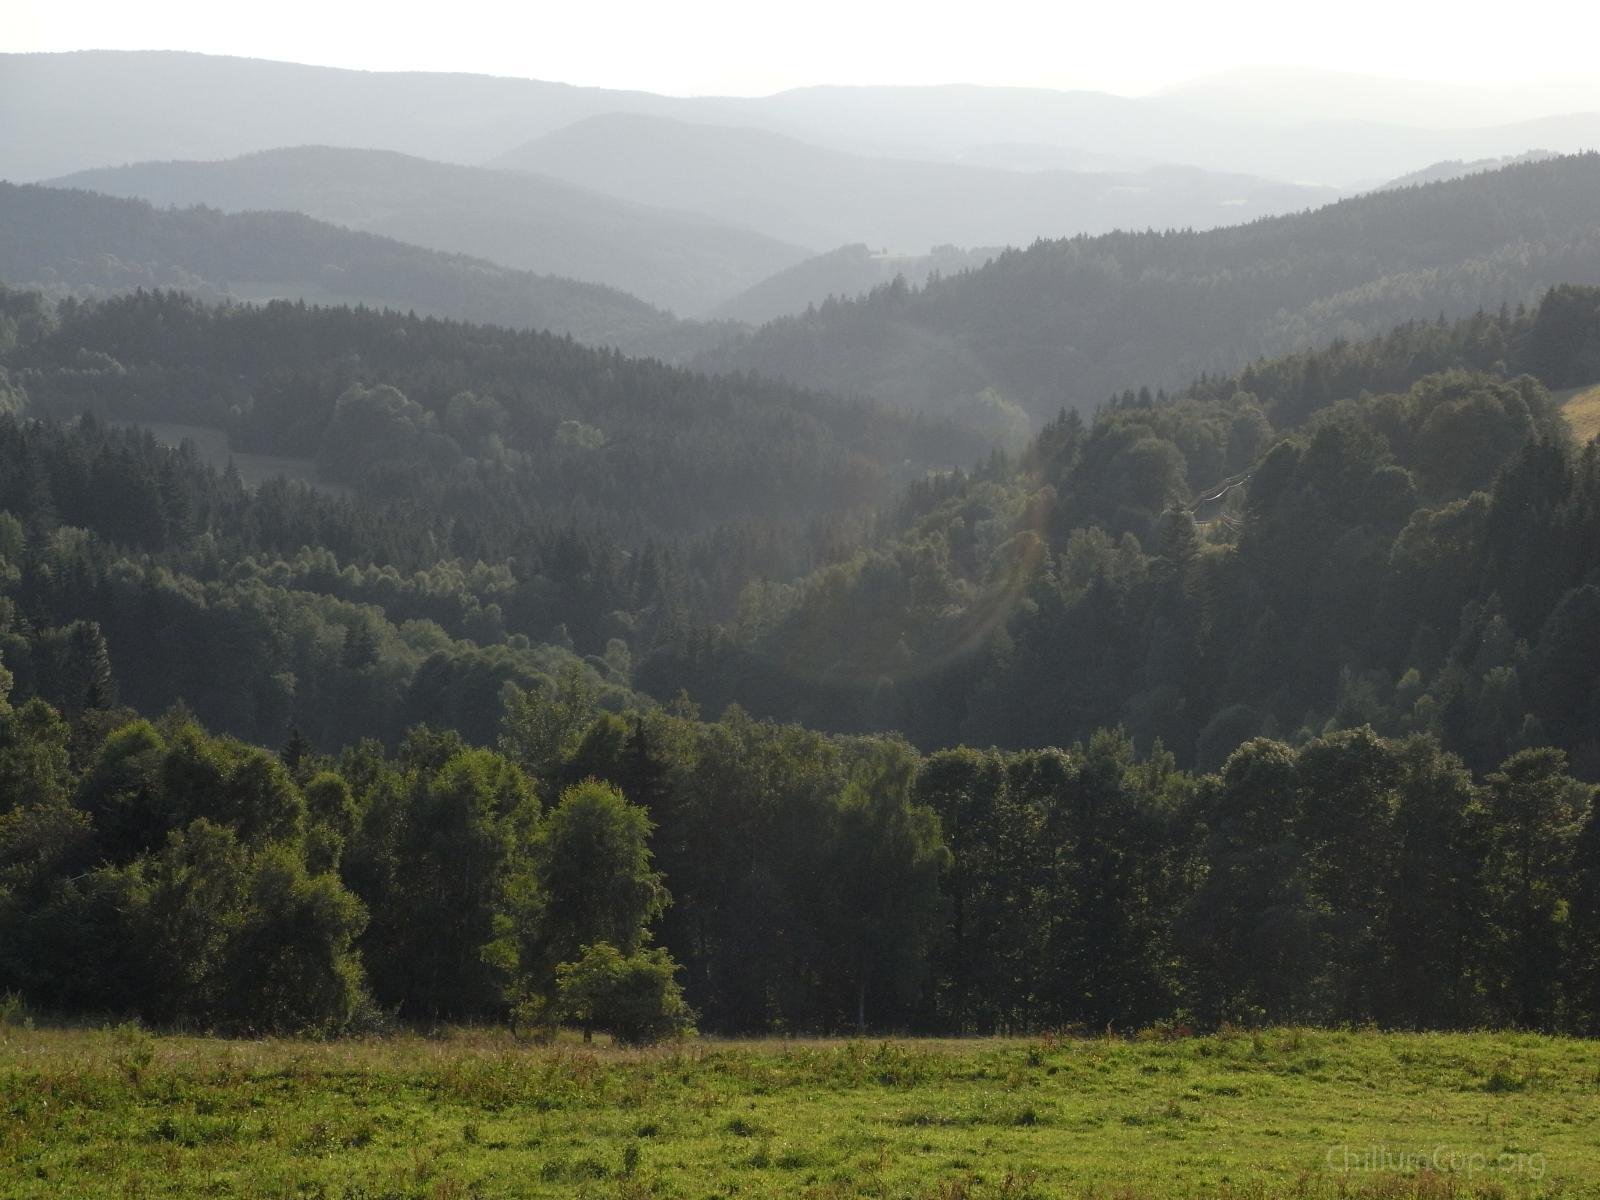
pixel 1297 1113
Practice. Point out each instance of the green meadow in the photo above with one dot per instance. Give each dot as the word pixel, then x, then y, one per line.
pixel 1581 407
pixel 1283 1113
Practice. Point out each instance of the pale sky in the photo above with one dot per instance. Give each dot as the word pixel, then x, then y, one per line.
pixel 747 47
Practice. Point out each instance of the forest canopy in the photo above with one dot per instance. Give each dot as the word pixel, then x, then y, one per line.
pixel 1102 732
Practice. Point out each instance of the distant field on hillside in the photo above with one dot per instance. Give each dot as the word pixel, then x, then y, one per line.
pixel 1581 407
pixel 254 469
pixel 1282 1113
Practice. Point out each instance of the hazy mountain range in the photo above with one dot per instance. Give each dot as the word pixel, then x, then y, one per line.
pixel 690 216
pixel 1347 151
pixel 1067 323
pixel 604 213
pixel 683 261
pixel 823 198
pixel 85 244
pixel 66 112
pixel 983 335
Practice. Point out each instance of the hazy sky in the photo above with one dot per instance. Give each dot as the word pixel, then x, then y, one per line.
pixel 748 47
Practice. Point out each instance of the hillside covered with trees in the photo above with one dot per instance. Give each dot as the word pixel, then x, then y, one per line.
pixel 1288 680
pixel 69 242
pixel 1397 532
pixel 800 882
pixel 405 406
pixel 748 624
pixel 684 262
pixel 513 500
pixel 844 273
pixel 1066 323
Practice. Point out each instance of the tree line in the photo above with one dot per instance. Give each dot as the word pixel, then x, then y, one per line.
pixel 645 870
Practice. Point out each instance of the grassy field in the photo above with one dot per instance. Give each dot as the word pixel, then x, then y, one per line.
pixel 1285 1113
pixel 254 469
pixel 1581 407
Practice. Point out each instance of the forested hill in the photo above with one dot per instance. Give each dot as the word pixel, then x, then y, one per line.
pixel 378 867
pixel 1455 168
pixel 1381 511
pixel 681 261
pixel 86 244
pixel 510 500
pixel 1421 555
pixel 1398 532
pixel 843 273
pixel 1067 323
pixel 400 405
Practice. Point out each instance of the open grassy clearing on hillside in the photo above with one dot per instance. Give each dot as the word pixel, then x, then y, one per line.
pixel 1283 1113
pixel 214 447
pixel 1581 407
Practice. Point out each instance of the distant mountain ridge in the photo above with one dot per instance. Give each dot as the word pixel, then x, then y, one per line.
pixel 54 109
pixel 681 261
pixel 1344 150
pixel 815 196
pixel 1455 169
pixel 61 113
pixel 87 244
pixel 1066 323
pixel 844 274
